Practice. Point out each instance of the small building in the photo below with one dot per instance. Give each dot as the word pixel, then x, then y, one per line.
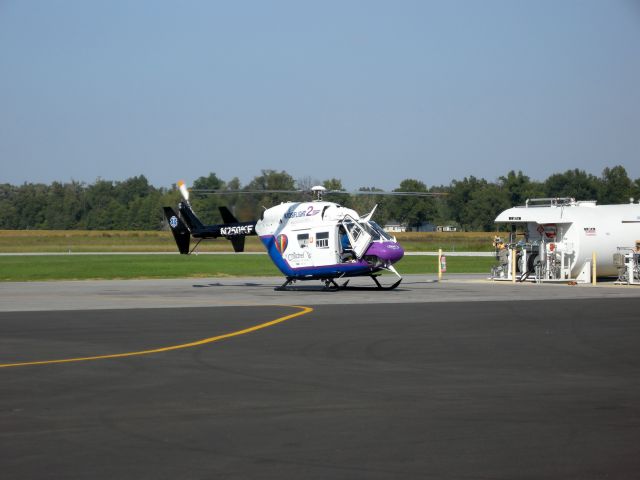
pixel 446 228
pixel 394 226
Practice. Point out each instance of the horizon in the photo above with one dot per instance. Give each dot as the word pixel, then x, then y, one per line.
pixel 347 189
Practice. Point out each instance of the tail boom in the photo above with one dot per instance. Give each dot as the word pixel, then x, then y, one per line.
pixel 186 224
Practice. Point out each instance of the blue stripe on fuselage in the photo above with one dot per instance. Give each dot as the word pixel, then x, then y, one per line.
pixel 349 269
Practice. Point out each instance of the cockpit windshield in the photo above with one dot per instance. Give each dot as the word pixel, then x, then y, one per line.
pixel 376 231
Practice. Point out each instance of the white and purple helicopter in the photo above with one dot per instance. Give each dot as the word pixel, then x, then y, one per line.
pixel 314 240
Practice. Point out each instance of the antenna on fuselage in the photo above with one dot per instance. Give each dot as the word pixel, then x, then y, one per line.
pixel 318 191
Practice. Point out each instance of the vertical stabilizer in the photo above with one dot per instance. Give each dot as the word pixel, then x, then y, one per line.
pixel 181 233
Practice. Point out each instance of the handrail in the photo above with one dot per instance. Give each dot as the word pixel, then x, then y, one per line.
pixel 549 202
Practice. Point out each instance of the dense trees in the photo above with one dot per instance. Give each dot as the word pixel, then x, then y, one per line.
pixel 105 205
pixel 412 211
pixel 133 204
pixel 573 183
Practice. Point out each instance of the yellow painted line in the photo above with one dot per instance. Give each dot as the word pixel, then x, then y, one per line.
pixel 197 343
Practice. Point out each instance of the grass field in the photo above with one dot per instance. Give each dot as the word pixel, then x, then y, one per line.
pixel 82 267
pixel 30 268
pixel 63 241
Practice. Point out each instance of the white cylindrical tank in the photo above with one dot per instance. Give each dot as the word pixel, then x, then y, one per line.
pixel 579 229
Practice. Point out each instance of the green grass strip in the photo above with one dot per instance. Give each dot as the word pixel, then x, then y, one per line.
pixel 83 267
pixel 429 264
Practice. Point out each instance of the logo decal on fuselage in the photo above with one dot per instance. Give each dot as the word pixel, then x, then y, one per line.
pixel 298 256
pixel 281 243
pixel 309 212
pixel 173 221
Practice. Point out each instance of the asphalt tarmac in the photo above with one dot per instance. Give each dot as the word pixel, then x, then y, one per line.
pixel 518 387
pixel 208 292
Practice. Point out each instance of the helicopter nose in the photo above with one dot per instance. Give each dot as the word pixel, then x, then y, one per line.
pixel 388 252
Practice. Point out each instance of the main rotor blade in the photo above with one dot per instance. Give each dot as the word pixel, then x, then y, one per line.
pixel 233 192
pixel 204 191
pixel 393 194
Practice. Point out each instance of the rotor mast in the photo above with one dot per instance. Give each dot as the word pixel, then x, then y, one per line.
pixel 318 191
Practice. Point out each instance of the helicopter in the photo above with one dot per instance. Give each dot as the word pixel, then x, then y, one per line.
pixel 308 240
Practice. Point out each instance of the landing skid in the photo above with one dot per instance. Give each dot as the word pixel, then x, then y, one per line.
pixel 330 285
pixel 391 287
pixel 284 286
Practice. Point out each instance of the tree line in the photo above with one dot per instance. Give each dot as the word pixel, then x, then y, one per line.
pixel 133 204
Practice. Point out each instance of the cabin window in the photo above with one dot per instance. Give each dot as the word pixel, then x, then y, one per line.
pixel 322 240
pixel 303 240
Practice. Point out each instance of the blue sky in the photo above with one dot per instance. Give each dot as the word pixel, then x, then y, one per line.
pixel 371 92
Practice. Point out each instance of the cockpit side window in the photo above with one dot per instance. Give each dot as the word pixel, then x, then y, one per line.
pixel 376 231
pixel 380 233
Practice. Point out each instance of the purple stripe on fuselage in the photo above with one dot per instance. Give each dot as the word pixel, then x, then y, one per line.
pixel 390 252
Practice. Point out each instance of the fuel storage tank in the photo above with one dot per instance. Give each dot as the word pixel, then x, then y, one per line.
pixel 564 233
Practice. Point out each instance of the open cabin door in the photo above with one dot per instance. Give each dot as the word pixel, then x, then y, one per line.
pixel 359 238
